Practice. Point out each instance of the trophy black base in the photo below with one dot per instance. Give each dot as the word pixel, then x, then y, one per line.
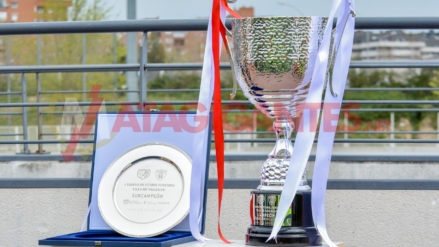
pixel 287 236
pixel 297 229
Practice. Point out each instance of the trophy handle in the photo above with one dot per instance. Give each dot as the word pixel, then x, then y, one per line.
pixel 333 54
pixel 232 62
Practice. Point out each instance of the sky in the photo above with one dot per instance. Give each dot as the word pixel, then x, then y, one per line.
pixel 181 9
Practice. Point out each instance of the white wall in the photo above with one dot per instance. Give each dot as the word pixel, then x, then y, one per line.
pixel 358 218
pixel 235 169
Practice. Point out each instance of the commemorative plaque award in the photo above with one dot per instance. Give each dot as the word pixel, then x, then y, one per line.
pixel 273 60
pixel 145 192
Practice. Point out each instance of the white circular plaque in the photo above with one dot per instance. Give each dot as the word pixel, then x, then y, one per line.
pixel 145 192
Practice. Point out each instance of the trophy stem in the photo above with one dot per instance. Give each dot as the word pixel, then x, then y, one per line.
pixel 275 168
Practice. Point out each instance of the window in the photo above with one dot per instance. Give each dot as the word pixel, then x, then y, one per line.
pixel 3 16
pixel 40 10
pixel 179 42
pixel 14 17
pixel 3 4
pixel 14 5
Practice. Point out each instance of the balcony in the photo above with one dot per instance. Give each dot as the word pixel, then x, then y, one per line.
pixel 384 180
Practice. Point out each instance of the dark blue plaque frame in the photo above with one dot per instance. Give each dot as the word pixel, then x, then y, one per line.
pixel 114 239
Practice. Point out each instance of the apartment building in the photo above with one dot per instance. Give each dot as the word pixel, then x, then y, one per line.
pixel 33 10
pixel 189 46
pixel 395 45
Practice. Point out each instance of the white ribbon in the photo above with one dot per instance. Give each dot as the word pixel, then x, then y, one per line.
pixel 305 138
pixel 199 161
pixel 326 137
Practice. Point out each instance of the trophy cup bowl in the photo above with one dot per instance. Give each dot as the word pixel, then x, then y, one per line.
pixel 273 61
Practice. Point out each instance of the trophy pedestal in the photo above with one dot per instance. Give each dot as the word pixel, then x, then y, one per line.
pixel 298 226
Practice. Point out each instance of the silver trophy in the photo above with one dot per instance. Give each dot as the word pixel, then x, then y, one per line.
pixel 273 60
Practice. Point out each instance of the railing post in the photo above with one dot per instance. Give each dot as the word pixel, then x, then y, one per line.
pixel 143 71
pixel 8 62
pixel 255 128
pixel 84 75
pixel 24 113
pixel 132 55
pixel 437 127
pixel 345 128
pixel 392 128
pixel 39 117
pixel 115 60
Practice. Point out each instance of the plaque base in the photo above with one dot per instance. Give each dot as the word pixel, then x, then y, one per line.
pixel 298 228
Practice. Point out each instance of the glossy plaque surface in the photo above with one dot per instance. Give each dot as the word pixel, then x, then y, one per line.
pixel 145 192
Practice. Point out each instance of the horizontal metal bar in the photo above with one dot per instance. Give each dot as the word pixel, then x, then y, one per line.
pixel 225 102
pixel 352 102
pixel 393 89
pixel 10 113
pixel 45 104
pixel 272 133
pixel 394 64
pixel 66 134
pixel 388 132
pixel 339 158
pixel 392 110
pixel 356 64
pixel 347 89
pixel 47 157
pixel 87 91
pixel 382 184
pixel 240 140
pixel 392 102
pixel 44 183
pixel 191 66
pixel 20 134
pixel 260 157
pixel 356 110
pixel 182 90
pixel 68 68
pixel 190 25
pixel 341 132
pixel 10 93
pixel 2 142
pixel 342 184
pixel 257 111
pixel 272 140
pixel 232 183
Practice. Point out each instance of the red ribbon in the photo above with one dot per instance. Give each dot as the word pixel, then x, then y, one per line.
pixel 217 29
pixel 231 11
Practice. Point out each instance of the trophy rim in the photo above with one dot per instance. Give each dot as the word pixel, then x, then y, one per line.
pixel 278 17
pixel 107 210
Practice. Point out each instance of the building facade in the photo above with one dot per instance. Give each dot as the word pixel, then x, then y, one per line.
pixel 33 10
pixel 395 45
pixel 190 46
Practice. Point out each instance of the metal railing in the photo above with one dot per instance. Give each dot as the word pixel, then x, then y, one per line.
pixel 143 67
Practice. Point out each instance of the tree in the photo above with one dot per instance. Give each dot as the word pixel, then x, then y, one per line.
pixel 63 49
pixel 156 51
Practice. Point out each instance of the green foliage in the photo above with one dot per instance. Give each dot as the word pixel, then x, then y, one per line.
pixel 80 11
pixel 64 49
pixel 434 82
pixel 386 79
pixel 156 51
